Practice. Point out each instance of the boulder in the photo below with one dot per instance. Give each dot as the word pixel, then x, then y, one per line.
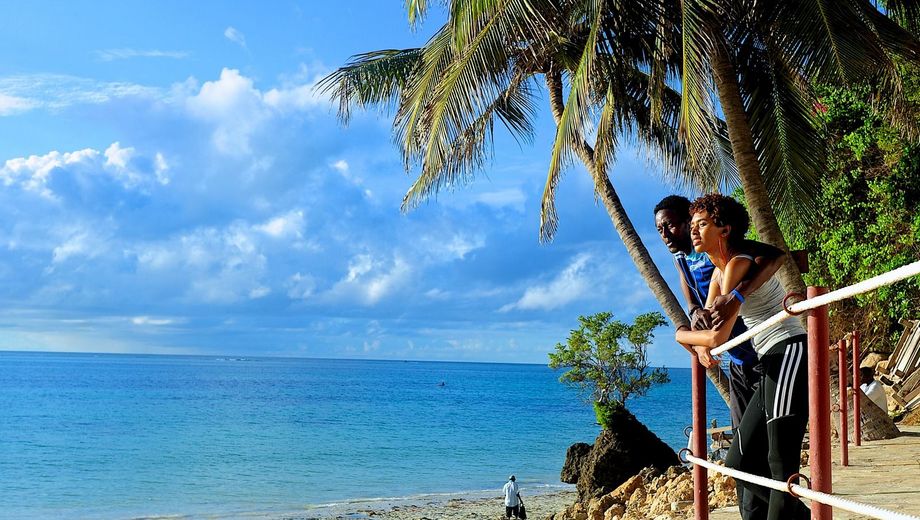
pixel 621 494
pixel 574 458
pixel 618 453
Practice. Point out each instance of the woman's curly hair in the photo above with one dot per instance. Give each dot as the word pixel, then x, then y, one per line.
pixel 724 211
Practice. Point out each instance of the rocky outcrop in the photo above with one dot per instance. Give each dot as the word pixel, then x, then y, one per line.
pixel 618 453
pixel 652 495
pixel 574 458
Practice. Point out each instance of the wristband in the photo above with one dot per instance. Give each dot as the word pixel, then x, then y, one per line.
pixel 737 295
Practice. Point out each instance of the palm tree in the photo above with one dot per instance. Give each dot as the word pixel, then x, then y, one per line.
pixel 760 59
pixel 481 64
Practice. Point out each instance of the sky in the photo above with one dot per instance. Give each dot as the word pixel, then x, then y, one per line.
pixel 172 183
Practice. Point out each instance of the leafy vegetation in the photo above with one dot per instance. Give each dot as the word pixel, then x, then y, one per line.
pixel 602 368
pixel 869 207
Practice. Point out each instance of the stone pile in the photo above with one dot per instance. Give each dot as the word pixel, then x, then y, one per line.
pixel 652 495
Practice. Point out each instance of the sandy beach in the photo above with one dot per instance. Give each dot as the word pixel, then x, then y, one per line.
pixel 538 507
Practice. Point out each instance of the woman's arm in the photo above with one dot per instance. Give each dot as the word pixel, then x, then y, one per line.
pixel 735 271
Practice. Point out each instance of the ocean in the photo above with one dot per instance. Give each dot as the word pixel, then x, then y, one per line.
pixel 96 436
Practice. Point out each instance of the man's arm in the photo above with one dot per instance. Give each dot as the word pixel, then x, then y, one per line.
pixel 699 317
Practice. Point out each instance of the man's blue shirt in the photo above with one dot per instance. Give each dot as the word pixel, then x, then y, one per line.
pixel 697 272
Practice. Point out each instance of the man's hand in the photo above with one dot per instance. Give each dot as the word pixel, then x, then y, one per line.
pixel 717 310
pixel 702 353
pixel 700 319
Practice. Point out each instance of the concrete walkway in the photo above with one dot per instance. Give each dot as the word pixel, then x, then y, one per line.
pixel 882 473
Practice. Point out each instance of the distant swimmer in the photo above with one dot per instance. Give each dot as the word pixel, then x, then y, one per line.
pixel 442 383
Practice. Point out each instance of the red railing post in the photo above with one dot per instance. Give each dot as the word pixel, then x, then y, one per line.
pixel 857 416
pixel 842 402
pixel 819 414
pixel 700 477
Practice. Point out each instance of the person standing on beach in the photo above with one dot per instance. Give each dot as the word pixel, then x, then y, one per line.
pixel 512 497
pixel 672 220
pixel 769 439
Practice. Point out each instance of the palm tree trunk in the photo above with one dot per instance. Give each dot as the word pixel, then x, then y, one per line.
pixel 627 232
pixel 742 140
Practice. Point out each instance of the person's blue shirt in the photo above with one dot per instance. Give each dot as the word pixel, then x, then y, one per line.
pixel 696 270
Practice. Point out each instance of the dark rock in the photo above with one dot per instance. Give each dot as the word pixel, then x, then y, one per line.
pixel 574 458
pixel 618 453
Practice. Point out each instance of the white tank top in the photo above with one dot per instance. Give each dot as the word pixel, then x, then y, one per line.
pixel 759 306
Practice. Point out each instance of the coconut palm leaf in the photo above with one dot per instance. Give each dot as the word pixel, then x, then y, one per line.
pixel 697 107
pixel 781 108
pixel 905 12
pixel 515 107
pixel 375 78
pixel 477 75
pixel 571 125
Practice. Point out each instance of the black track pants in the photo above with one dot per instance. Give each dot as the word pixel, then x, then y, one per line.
pixel 743 381
pixel 768 442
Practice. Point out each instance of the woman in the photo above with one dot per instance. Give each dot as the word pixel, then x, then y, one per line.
pixel 768 441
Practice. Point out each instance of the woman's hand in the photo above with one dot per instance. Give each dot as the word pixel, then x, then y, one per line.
pixel 707 360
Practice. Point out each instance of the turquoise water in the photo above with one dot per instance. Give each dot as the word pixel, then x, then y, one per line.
pixel 122 436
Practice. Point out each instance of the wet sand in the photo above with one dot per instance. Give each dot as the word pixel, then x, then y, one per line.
pixel 538 508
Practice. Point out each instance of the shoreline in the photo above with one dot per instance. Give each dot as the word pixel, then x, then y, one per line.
pixel 485 504
pixel 539 505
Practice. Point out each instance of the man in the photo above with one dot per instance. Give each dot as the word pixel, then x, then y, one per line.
pixel 672 220
pixel 512 497
pixel 872 388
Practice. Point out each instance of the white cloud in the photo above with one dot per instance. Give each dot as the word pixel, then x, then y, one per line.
pixel 512 198
pixel 215 265
pixel 58 91
pixel 77 245
pixel 147 320
pixel 34 172
pixel 10 105
pixel 259 292
pixel 296 98
pixel 447 249
pixel 234 106
pixel 341 165
pixel 300 286
pixel 118 157
pixel 160 168
pixel 569 285
pixel 287 225
pixel 234 35
pixel 369 281
pixel 123 54
pixel 460 245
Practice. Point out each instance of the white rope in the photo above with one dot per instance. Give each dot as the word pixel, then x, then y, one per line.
pixel 804 492
pixel 864 286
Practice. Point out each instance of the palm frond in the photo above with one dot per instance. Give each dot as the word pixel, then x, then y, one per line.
pixel 905 12
pixel 469 83
pixel 697 108
pixel 373 78
pixel 515 108
pixel 570 129
pixel 781 108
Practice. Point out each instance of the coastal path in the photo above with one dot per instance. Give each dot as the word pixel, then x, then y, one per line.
pixel 882 473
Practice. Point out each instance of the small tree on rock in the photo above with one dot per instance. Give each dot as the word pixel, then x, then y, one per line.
pixel 606 372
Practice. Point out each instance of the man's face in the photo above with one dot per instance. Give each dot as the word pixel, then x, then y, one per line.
pixel 674 230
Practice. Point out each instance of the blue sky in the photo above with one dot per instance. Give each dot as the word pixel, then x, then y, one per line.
pixel 171 183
